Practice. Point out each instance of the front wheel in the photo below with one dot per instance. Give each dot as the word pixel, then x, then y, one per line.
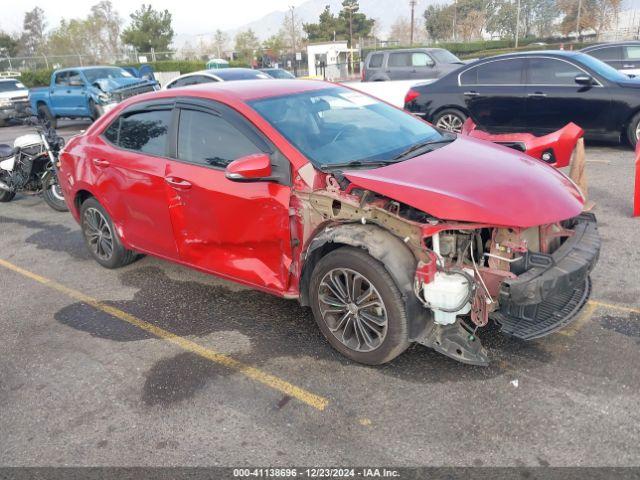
pixel 52 193
pixel 358 306
pixel 633 130
pixel 6 196
pixel 101 237
pixel 450 120
pixel 45 114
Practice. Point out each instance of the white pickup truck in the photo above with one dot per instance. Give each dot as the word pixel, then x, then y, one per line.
pixel 14 99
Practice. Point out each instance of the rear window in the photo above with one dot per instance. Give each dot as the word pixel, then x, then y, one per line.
pixel 607 54
pixel 144 132
pixel 376 60
pixel 501 72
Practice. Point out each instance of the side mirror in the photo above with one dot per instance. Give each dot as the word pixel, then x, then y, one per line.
pixel 584 79
pixel 251 168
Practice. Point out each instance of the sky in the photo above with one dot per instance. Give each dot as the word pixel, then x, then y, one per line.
pixel 190 17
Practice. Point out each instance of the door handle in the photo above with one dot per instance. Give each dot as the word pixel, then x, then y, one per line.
pixel 178 183
pixel 628 66
pixel 471 94
pixel 536 94
pixel 100 163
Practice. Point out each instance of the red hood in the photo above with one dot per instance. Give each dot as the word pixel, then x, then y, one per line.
pixel 476 181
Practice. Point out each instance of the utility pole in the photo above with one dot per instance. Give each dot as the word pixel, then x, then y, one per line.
pixel 413 7
pixel 455 14
pixel 351 9
pixel 578 20
pixel 293 39
pixel 517 23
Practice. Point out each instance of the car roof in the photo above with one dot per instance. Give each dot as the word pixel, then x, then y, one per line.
pixel 241 91
pixel 404 50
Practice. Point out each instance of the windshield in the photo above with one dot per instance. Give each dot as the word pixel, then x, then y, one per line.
pixel 601 68
pixel 11 85
pixel 94 74
pixel 336 126
pixel 445 56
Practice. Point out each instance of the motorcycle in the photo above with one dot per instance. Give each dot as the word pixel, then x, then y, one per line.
pixel 30 165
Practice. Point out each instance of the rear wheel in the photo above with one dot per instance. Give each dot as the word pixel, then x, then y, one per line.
pixel 6 196
pixel 101 237
pixel 358 306
pixel 450 120
pixel 45 114
pixel 52 193
pixel 633 130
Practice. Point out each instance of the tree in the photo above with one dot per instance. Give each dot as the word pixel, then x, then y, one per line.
pixel 220 42
pixel 326 29
pixel 330 26
pixel 103 25
pixel 401 32
pixel 595 15
pixel 8 45
pixel 246 46
pixel 275 45
pixel 355 24
pixel 33 39
pixel 149 29
pixel 438 21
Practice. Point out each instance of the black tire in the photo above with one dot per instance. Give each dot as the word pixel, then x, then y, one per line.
pixel 52 197
pixel 3 123
pixel 633 130
pixel 119 256
pixel 396 336
pixel 6 196
pixel 451 120
pixel 45 114
pixel 94 111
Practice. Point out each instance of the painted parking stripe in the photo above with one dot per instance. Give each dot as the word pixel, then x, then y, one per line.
pixel 613 306
pixel 311 399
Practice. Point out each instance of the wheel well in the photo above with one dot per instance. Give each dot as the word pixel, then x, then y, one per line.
pixel 40 103
pixel 449 107
pixel 81 197
pixel 627 122
pixel 382 245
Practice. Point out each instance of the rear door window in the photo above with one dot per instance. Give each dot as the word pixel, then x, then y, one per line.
pixel 500 72
pixel 62 78
pixel 399 59
pixel 145 132
pixel 208 139
pixel 376 60
pixel 608 54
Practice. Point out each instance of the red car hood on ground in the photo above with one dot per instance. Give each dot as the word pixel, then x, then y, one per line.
pixel 476 181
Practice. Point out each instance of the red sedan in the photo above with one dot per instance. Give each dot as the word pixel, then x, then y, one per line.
pixel 391 230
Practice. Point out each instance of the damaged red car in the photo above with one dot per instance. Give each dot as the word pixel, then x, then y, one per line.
pixel 392 231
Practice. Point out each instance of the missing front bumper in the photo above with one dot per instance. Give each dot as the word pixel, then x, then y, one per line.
pixel 548 295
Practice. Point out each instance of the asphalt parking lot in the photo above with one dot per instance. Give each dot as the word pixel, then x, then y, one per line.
pixel 156 364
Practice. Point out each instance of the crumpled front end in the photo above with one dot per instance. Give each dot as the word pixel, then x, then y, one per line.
pixel 530 280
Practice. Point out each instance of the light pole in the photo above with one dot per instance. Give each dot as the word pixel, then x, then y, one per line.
pixel 351 8
pixel 413 6
pixel 293 39
pixel 517 23
pixel 578 20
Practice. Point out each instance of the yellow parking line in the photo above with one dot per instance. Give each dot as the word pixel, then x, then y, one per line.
pixel 311 399
pixel 583 318
pixel 612 306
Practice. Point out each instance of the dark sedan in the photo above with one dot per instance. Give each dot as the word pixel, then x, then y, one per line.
pixel 536 92
pixel 623 56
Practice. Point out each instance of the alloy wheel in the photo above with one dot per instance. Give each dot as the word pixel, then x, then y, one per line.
pixel 98 233
pixel 638 131
pixel 56 191
pixel 450 122
pixel 352 309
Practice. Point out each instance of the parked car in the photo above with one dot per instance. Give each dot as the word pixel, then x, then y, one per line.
pixel 14 100
pixel 392 231
pixel 536 92
pixel 408 64
pixel 216 75
pixel 86 92
pixel 278 73
pixel 623 56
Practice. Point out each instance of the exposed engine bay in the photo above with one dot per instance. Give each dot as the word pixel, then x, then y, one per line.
pixel 528 280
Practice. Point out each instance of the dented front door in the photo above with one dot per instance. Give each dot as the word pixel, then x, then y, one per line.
pixel 235 230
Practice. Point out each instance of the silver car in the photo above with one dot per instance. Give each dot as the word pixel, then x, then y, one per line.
pixel 409 64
